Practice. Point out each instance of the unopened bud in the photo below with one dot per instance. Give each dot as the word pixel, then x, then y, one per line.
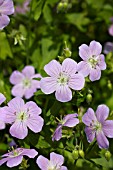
pixel 65 5
pixel 67 52
pixel 75 154
pixel 107 155
pixel 81 153
pixel 89 98
pixel 109 85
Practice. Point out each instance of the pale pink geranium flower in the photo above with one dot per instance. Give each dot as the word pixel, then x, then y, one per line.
pixel 6 8
pixel 22 116
pixel 97 125
pixel 61 79
pixel 15 157
pixel 22 9
pixel 24 82
pixel 55 162
pixel 93 61
pixel 2 115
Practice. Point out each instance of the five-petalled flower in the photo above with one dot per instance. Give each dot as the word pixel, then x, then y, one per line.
pixel 6 8
pixel 93 61
pixel 62 79
pixel 15 157
pixel 24 82
pixel 69 120
pixel 55 162
pixel 23 116
pixel 97 126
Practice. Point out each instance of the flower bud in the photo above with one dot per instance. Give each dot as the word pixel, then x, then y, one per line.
pixel 59 6
pixel 89 98
pixel 75 154
pixel 107 155
pixel 67 52
pixel 81 153
pixel 109 85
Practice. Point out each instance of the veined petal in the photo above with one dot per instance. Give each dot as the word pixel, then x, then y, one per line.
pixel 28 71
pixel 17 104
pixel 101 63
pixel 7 7
pixel 89 117
pixel 2 98
pixel 18 90
pixel 36 76
pixel 15 161
pixel 56 159
pixel 48 85
pixel 57 133
pixel 19 130
pixel 84 68
pixel 69 66
pixel 90 133
pixel 2 161
pixel 9 114
pixel 107 128
pixel 35 123
pixel 29 92
pixel 42 162
pixel 31 153
pixel 102 140
pixel 63 93
pixel 71 120
pixel 102 113
pixel 84 52
pixel 95 74
pixel 76 82
pixel 16 77
pixel 53 68
pixel 95 48
pixel 4 21
pixel 32 108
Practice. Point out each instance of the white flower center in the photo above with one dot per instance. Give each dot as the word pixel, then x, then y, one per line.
pixel 63 79
pixel 53 167
pixel 97 126
pixel 26 82
pixel 93 61
pixel 22 116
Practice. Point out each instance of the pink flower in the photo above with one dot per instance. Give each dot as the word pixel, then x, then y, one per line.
pixel 6 8
pixel 55 162
pixel 62 78
pixel 23 116
pixel 93 61
pixel 110 30
pixel 24 83
pixel 69 120
pixel 15 157
pixel 2 115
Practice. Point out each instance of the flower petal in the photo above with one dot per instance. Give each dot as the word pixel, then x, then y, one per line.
pixel 48 85
pixel 95 74
pixel 69 66
pixel 88 117
pixel 2 125
pixel 84 68
pixel 16 77
pixel 9 114
pixel 57 133
pixel 63 168
pixel 101 63
pixel 4 21
pixel 32 108
pixel 95 48
pixel 102 113
pixel 2 98
pixel 84 52
pixel 31 153
pixel 18 90
pixel 37 121
pixel 53 68
pixel 56 159
pixel 17 104
pixel 102 140
pixel 42 162
pixel 19 130
pixel 2 161
pixel 70 120
pixel 90 133
pixel 107 128
pixel 7 7
pixel 76 82
pixel 110 30
pixel 15 161
pixel 28 71
pixel 63 93
pixel 108 47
